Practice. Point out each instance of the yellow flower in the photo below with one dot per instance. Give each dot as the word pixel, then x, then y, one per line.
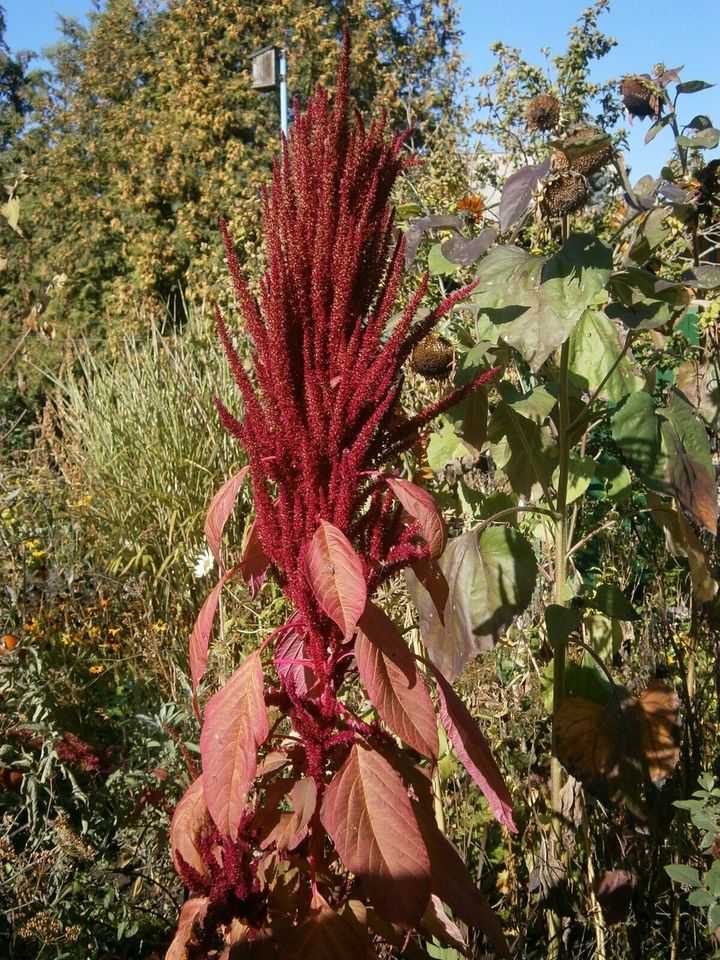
pixel 97 668
pixel 159 627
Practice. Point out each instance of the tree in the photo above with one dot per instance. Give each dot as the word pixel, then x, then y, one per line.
pixel 13 101
pixel 146 130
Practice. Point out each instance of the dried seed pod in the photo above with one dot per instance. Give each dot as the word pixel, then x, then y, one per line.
pixel 708 184
pixel 586 163
pixel 640 96
pixel 433 357
pixel 564 193
pixel 543 112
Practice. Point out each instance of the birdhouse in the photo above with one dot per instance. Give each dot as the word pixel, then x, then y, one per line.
pixel 265 68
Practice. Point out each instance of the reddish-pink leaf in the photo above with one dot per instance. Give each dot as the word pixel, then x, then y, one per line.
pixel 453 884
pixel 220 509
pixel 438 924
pixel 236 723
pixel 367 812
pixel 200 637
pixel 474 752
pixel 290 829
pixel 387 668
pixel 189 818
pixel 429 574
pixel 422 507
pixel 328 935
pixel 254 563
pixel 291 657
pixel 192 912
pixel 334 571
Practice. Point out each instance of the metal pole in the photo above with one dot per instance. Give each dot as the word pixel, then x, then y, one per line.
pixel 283 92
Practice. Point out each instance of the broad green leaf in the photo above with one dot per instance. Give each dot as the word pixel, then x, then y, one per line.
pixel 560 622
pixel 438 264
pixel 706 276
pixel 535 405
pixel 700 122
pixel 611 600
pixel 581 470
pixel 490 578
pixel 525 451
pixel 693 86
pixel 617 479
pixel 536 302
pixel 594 348
pixel 604 635
pixel 700 898
pixel 387 668
pixel 638 303
pixel 236 723
pixel 445 446
pixel 712 878
pixel 682 873
pixel 714 917
pixel 635 429
pixel 367 812
pixel 703 140
pixel 583 679
pixel 657 127
pixel 652 232
pixel 334 571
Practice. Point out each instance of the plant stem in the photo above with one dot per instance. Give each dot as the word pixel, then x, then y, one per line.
pixel 561 555
pixel 595 909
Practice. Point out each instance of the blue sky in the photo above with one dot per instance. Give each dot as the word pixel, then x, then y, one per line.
pixel 671 31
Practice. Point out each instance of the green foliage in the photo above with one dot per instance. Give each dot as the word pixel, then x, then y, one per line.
pixel 704 809
pixel 146 129
pixel 135 439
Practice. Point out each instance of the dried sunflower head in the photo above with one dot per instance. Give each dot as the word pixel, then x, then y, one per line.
pixel 588 161
pixel 563 193
pixel 433 357
pixel 640 96
pixel 543 112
